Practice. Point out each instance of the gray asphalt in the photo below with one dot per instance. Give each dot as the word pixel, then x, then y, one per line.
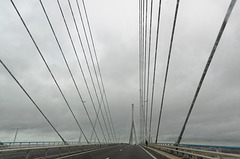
pixel 122 152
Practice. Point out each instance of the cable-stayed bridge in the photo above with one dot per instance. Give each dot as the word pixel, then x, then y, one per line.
pixel 75 89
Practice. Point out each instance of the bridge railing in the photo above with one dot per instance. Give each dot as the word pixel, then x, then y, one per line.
pixel 14 145
pixel 199 151
pixel 49 151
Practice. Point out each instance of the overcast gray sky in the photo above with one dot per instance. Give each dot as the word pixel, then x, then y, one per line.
pixel 215 118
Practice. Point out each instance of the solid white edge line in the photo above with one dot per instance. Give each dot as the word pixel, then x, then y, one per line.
pixel 148 153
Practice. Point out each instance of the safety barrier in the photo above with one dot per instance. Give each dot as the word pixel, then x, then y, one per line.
pixel 199 151
pixel 14 145
pixel 49 151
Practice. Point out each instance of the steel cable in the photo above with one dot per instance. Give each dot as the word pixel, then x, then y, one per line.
pixel 83 72
pixel 166 73
pixel 32 101
pixel 79 94
pixel 89 70
pixel 145 65
pixel 95 72
pixel 154 69
pixel 45 62
pixel 140 65
pixel 60 48
pixel 229 11
pixel 149 62
pixel 91 36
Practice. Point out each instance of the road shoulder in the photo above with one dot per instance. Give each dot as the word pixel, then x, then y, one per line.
pixel 162 153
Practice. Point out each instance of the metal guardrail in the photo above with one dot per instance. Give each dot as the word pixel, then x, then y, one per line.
pixel 49 151
pixel 199 151
pixel 14 145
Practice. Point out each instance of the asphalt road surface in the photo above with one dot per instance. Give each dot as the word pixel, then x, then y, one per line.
pixel 120 152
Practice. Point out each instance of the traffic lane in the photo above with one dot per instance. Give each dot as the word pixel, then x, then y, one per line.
pixel 119 152
pixel 95 154
pixel 132 152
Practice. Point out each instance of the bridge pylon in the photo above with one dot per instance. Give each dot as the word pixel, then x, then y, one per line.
pixel 133 130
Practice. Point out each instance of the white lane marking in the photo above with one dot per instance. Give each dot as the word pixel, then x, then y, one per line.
pixel 80 153
pixel 149 153
pixel 120 149
pixel 108 158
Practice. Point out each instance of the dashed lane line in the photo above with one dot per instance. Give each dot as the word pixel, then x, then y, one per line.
pixel 80 153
